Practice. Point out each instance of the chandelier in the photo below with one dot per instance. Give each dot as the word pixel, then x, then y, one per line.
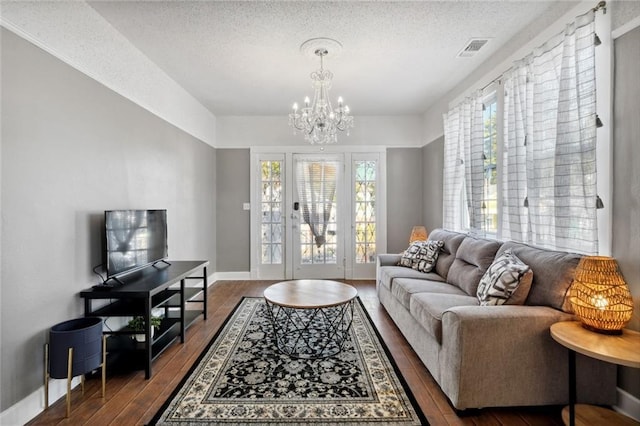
pixel 318 121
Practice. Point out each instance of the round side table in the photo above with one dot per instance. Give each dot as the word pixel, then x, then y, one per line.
pixel 623 349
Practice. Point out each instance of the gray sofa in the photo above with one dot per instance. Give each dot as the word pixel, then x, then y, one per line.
pixel 490 356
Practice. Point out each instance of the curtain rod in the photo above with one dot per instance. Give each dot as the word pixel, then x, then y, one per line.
pixel 600 6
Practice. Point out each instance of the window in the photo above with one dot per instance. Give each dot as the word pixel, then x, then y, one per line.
pixel 365 211
pixel 490 156
pixel 272 220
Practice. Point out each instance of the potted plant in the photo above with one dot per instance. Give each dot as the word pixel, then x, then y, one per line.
pixel 138 324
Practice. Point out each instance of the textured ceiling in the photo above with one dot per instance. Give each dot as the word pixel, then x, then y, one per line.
pixel 243 58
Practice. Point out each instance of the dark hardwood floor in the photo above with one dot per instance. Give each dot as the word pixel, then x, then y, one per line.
pixel 132 400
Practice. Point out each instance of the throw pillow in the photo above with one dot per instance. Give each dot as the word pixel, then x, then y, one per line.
pixel 427 255
pixel 409 254
pixel 520 294
pixel 421 255
pixel 502 280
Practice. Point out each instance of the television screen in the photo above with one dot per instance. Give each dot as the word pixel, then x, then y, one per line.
pixel 134 239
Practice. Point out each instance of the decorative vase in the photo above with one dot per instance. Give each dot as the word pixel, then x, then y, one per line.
pixel 141 337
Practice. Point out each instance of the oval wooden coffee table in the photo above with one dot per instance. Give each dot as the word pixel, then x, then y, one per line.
pixel 311 318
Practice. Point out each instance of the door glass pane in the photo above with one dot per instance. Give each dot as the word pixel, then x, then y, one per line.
pixel 317 183
pixel 365 218
pixel 271 208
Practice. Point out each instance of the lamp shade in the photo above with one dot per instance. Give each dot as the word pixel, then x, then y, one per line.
pixel 418 233
pixel 599 295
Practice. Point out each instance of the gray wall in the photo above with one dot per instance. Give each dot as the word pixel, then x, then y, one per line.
pixel 623 12
pixel 71 148
pixel 626 179
pixel 433 165
pixel 233 222
pixel 404 196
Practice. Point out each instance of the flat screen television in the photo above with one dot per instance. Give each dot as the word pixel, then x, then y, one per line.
pixel 134 239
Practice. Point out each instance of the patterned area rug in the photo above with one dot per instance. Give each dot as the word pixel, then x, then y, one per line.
pixel 242 379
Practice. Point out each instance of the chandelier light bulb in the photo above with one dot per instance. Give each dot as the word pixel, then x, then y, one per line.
pixel 295 106
pixel 306 101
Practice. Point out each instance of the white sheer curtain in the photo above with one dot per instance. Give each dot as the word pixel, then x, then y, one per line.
pixel 548 147
pixel 550 111
pixel 463 164
pixel 517 129
pixel 317 182
pixel 453 171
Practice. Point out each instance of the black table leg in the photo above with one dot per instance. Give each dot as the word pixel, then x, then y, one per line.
pixel 204 293
pixel 572 387
pixel 148 343
pixel 182 310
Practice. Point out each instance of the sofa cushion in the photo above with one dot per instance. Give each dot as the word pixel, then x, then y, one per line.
pixel 427 309
pixel 473 258
pixel 389 273
pixel 553 273
pixel 507 276
pixel 452 241
pixel 404 288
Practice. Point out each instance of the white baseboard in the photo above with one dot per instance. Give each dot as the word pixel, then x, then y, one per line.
pixel 628 405
pixel 236 275
pixel 29 407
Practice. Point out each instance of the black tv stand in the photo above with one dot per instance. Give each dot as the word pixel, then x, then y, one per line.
pixel 154 288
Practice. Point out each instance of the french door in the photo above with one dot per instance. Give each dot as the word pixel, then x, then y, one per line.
pixel 316 220
pixel 317 215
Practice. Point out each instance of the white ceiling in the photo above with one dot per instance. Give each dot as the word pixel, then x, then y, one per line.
pixel 398 58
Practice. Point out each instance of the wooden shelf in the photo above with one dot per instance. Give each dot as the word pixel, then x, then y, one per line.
pixel 591 415
pixel 119 308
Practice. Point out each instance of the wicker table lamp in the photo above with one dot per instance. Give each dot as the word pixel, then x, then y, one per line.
pixel 599 295
pixel 418 233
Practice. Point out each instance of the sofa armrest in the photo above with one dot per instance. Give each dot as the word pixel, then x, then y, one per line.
pixel 388 259
pixel 485 349
pixel 385 259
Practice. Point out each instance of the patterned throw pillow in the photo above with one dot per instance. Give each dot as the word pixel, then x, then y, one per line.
pixel 421 255
pixel 409 254
pixel 503 280
pixel 427 255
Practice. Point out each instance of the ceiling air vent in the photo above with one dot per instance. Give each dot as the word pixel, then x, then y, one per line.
pixel 472 47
